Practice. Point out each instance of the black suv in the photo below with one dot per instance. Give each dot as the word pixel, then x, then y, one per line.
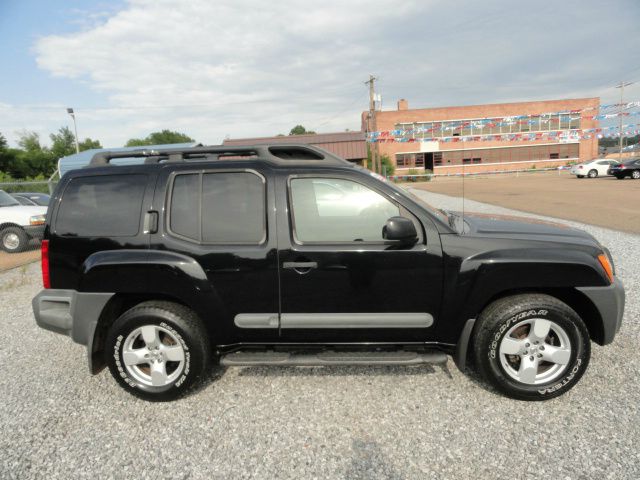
pixel 289 255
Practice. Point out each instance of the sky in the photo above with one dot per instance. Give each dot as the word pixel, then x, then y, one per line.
pixel 242 68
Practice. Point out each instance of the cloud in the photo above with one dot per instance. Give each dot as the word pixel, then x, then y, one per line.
pixel 245 67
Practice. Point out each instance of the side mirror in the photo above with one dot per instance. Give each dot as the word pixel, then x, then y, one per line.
pixel 400 229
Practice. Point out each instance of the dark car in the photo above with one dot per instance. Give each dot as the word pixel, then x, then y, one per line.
pixel 288 255
pixel 629 168
pixel 32 198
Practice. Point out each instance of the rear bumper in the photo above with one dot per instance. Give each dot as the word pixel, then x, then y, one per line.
pixel 71 313
pixel 610 304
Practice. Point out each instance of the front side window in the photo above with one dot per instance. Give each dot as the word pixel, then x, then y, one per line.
pixel 225 207
pixel 104 205
pixel 338 210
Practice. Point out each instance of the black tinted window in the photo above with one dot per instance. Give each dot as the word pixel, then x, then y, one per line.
pixel 108 205
pixel 185 205
pixel 232 208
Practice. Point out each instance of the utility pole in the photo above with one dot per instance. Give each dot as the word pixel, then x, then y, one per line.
pixel 621 86
pixel 371 125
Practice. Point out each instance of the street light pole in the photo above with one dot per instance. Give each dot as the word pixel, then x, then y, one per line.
pixel 75 127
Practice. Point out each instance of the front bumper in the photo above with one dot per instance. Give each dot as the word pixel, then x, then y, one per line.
pixel 70 313
pixel 36 231
pixel 610 304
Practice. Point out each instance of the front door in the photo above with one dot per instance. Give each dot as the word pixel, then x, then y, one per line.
pixel 339 280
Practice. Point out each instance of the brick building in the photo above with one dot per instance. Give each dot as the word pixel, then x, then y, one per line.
pixel 351 146
pixel 476 156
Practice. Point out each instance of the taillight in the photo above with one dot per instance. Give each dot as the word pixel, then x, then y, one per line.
pixel 44 250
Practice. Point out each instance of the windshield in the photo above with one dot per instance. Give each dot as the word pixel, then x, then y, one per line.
pixel 7 200
pixel 41 199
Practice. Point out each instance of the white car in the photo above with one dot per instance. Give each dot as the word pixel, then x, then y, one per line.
pixel 593 169
pixel 19 224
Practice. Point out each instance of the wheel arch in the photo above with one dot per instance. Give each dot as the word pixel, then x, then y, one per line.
pixel 115 307
pixel 579 302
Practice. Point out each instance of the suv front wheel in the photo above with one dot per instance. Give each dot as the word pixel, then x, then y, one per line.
pixel 157 350
pixel 532 346
pixel 13 239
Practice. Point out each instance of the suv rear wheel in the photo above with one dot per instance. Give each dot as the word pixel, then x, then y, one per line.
pixel 531 347
pixel 157 350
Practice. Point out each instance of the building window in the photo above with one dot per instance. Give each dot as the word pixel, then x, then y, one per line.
pixel 404 159
pixel 466 160
pixel 476 160
pixel 554 156
pixel 419 160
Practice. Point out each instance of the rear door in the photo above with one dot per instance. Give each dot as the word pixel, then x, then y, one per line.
pixel 224 219
pixel 340 282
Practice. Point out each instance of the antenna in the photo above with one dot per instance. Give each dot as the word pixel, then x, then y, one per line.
pixel 463 175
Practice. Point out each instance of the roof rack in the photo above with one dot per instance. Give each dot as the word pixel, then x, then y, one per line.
pixel 279 154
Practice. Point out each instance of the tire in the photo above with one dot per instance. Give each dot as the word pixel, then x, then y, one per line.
pixel 593 173
pixel 553 366
pixel 157 350
pixel 580 176
pixel 14 240
pixel 635 174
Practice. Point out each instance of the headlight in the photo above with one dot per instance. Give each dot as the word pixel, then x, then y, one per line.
pixel 37 220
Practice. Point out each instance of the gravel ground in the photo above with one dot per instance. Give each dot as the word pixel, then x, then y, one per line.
pixel 57 421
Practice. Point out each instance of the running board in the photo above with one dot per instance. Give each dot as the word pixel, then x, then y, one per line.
pixel 325 358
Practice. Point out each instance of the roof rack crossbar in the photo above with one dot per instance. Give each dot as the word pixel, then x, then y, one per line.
pixel 278 154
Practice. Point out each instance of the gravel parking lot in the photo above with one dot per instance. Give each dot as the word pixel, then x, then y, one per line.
pixel 57 421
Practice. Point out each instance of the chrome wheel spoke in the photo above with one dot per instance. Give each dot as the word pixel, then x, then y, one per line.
pixel 158 374
pixel 511 346
pixel 558 355
pixel 540 329
pixel 528 370
pixel 135 357
pixel 150 336
pixel 153 355
pixel 174 353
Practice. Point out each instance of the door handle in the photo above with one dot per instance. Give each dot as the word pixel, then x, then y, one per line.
pixel 300 267
pixel 150 222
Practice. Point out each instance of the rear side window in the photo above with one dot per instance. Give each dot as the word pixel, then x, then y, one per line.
pixel 225 207
pixel 106 205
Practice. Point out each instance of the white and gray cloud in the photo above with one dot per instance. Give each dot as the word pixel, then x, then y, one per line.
pixel 245 68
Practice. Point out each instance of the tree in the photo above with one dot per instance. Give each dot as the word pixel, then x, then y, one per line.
pixel 164 137
pixel 3 143
pixel 29 141
pixel 63 143
pixel 300 130
pixel 388 166
pixel 32 160
pixel 88 144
